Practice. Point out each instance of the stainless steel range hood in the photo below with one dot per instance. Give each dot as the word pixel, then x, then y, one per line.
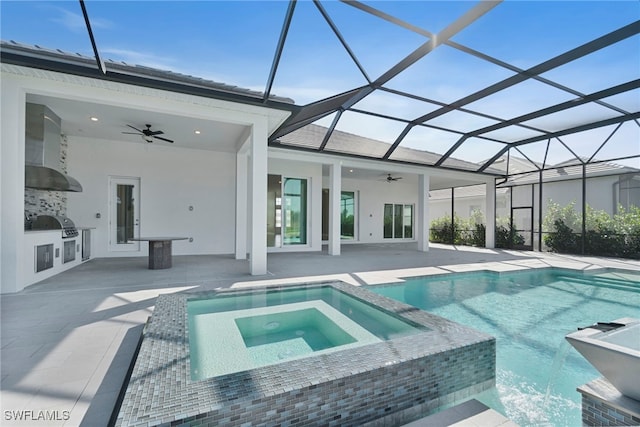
pixel 42 152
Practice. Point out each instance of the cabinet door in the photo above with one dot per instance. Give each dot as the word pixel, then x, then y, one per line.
pixel 69 251
pixel 44 257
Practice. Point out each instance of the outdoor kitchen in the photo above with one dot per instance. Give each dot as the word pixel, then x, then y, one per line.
pixel 53 243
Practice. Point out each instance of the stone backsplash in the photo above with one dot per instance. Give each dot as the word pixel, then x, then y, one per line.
pixel 45 202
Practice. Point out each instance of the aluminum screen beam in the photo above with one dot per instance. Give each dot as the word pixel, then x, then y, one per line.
pixel 569 131
pixel 327 135
pixel 634 84
pixel 323 108
pixel 392 19
pixel 571 55
pixel 87 22
pixel 336 31
pixel 276 59
pixel 451 30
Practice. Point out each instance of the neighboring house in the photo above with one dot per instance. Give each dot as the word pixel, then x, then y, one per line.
pixel 219 183
pixel 610 187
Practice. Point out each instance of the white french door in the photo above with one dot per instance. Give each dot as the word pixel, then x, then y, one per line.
pixel 124 213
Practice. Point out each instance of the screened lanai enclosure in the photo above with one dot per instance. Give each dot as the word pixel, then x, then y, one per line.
pixel 542 96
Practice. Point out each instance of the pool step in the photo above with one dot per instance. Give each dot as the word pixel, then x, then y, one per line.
pixel 468 414
pixel 605 282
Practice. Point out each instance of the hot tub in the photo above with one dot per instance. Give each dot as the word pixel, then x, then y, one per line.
pixel 307 354
pixel 615 353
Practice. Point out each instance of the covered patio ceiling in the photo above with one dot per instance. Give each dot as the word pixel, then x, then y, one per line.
pixel 466 82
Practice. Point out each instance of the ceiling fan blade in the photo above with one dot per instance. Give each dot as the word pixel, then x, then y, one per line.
pixel 131 133
pixel 153 133
pixel 163 139
pixel 135 128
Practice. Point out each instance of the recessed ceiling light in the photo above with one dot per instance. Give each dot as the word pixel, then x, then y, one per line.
pixel 197 132
pixel 351 170
pixel 93 119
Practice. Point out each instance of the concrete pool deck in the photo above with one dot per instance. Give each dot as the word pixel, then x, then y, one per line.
pixel 66 342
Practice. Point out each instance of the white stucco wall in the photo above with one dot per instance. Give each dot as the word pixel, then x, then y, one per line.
pixel 171 180
pixel 372 195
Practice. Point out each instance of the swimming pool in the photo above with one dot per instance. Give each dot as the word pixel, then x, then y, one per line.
pixel 529 313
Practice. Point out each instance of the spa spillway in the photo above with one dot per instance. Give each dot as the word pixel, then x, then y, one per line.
pixel 614 350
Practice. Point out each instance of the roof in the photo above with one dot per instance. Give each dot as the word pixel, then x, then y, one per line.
pixel 571 169
pixel 313 136
pixel 76 63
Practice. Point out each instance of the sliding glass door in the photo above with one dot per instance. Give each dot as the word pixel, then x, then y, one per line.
pixel 398 221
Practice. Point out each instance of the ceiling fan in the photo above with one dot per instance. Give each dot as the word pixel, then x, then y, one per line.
pixel 148 134
pixel 392 178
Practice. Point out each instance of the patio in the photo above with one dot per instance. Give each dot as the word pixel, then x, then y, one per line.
pixel 67 341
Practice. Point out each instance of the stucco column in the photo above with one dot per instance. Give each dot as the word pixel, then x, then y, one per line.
pixel 242 194
pixel 335 190
pixel 490 209
pixel 258 191
pixel 422 215
pixel 12 256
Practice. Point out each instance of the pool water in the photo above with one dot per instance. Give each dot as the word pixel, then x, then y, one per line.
pixel 270 338
pixel 238 331
pixel 529 313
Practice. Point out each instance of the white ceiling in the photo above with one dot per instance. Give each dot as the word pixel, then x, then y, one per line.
pixel 112 121
pixel 215 136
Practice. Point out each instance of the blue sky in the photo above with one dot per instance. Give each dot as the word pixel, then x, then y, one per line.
pixel 234 42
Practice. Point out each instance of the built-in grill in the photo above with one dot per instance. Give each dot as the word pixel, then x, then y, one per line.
pixel 53 222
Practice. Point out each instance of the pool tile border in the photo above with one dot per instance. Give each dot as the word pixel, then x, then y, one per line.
pixel 397 380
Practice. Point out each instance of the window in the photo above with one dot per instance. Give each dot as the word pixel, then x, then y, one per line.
pixel 348 215
pixel 398 221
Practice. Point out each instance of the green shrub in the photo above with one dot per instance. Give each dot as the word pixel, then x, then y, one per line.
pixel 442 231
pixel 605 235
pixel 478 235
pixel 562 239
pixel 469 232
pixel 507 237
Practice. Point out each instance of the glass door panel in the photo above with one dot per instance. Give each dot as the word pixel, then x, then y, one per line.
pixel 408 221
pixel 397 221
pixel 124 217
pixel 388 221
pixel 124 213
pixel 274 211
pixel 347 215
pixel 295 211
